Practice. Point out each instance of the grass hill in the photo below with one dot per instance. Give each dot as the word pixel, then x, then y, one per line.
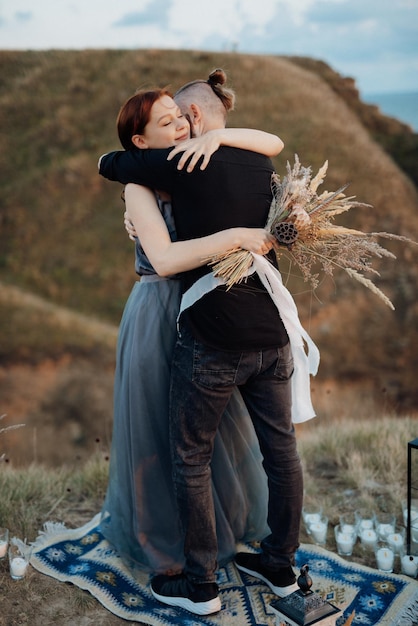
pixel 62 237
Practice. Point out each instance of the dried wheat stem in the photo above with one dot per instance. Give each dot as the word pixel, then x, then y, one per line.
pixel 370 285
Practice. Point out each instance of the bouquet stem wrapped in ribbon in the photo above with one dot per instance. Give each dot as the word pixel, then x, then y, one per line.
pixel 303 225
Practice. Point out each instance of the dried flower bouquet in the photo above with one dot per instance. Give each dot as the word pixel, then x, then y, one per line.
pixel 303 225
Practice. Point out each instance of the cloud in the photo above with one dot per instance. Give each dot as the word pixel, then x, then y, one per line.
pixel 375 41
pixel 340 12
pixel 137 19
pixel 154 14
pixel 23 16
pixel 369 28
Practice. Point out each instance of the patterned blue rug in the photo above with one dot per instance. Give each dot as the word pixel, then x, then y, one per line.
pixel 83 557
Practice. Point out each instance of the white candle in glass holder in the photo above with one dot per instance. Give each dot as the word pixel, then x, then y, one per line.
pixel 345 542
pixel 395 541
pixel 318 531
pixel 18 566
pixel 383 530
pixel 368 538
pixel 414 513
pixel 312 518
pixel 365 524
pixel 348 528
pixel 3 549
pixel 385 558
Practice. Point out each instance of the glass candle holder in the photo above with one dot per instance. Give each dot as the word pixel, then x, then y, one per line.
pixel 18 563
pixel 368 538
pixel 364 520
pixel 345 538
pixel 385 557
pixel 414 531
pixel 318 530
pixel 310 515
pixel 414 510
pixel 396 539
pixel 348 522
pixel 4 542
pixel 384 524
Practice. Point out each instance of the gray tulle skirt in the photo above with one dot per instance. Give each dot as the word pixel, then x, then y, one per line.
pixel 139 515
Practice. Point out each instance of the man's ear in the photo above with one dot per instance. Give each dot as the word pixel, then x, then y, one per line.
pixel 196 114
pixel 139 142
pixel 195 120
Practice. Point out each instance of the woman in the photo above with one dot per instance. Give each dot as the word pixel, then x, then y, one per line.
pixel 139 515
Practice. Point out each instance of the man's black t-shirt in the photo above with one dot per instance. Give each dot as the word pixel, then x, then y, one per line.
pixel 234 190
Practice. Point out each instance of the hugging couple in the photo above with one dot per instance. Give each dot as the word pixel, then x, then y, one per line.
pixel 207 383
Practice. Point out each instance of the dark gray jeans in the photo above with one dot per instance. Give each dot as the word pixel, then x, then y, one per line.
pixel 201 385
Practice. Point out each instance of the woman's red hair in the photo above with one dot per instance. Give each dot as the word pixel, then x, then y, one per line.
pixel 135 114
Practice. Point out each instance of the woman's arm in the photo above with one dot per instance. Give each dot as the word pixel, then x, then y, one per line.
pixel 205 145
pixel 169 257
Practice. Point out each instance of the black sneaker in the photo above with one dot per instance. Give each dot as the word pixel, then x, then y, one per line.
pixel 201 599
pixel 282 581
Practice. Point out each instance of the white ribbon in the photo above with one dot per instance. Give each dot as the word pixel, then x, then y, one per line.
pixel 305 363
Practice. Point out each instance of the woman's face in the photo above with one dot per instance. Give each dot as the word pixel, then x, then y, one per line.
pixel 166 127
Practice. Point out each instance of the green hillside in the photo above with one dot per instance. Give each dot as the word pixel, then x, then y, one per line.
pixel 61 227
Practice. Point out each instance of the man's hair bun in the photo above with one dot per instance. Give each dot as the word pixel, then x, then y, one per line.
pixel 217 77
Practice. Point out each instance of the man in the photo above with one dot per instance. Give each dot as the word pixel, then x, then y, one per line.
pixel 226 338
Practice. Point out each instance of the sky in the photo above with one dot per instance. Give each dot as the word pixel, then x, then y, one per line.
pixel 373 41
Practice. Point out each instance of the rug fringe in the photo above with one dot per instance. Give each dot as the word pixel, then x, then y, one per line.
pixel 50 530
pixel 24 549
pixel 53 531
pixel 409 617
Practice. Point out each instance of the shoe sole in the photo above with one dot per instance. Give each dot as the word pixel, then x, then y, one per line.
pixel 198 608
pixel 282 592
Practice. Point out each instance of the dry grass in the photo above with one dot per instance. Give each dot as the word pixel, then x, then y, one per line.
pixel 348 463
pixel 365 460
pixel 34 328
pixel 36 493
